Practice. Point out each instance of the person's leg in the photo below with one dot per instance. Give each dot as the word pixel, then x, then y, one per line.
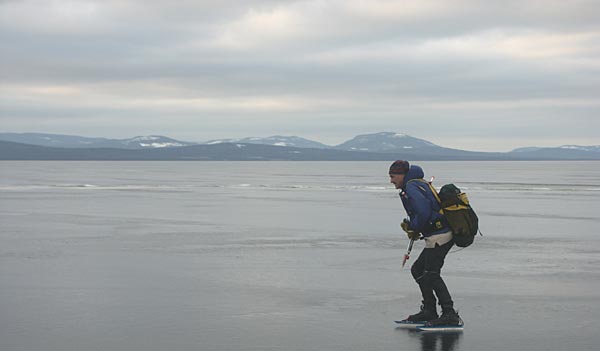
pixel 428 309
pixel 433 268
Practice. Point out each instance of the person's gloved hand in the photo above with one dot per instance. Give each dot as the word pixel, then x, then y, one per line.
pixel 404 225
pixel 412 235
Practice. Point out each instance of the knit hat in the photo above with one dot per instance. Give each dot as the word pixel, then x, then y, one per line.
pixel 399 167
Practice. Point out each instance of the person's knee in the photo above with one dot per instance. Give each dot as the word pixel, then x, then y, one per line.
pixel 416 272
pixel 427 277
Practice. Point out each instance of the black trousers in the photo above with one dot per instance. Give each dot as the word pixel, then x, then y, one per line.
pixel 427 273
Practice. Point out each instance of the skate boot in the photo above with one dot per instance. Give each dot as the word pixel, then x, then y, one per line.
pixel 426 314
pixel 448 318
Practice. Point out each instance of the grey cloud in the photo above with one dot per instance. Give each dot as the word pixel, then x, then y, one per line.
pixel 304 66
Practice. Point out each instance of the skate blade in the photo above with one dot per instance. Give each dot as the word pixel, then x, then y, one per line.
pixel 442 328
pixel 408 324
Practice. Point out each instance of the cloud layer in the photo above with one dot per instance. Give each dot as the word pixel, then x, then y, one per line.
pixel 494 76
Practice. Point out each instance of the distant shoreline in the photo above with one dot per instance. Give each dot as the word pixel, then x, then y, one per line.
pixel 260 152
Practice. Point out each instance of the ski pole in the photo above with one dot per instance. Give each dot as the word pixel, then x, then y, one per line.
pixel 408 250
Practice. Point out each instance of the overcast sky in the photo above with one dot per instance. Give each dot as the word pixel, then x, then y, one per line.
pixel 476 75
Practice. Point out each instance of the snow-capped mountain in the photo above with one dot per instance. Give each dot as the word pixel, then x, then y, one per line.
pixel 526 149
pixel 565 152
pixel 385 142
pixel 52 140
pixel 592 148
pixel 152 141
pixel 71 141
pixel 276 140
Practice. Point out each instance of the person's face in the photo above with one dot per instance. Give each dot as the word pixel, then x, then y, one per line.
pixel 397 180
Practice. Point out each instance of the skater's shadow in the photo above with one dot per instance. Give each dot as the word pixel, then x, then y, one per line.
pixel 432 341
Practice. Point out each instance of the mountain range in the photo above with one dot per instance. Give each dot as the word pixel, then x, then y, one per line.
pixel 376 146
pixel 72 141
pixel 276 140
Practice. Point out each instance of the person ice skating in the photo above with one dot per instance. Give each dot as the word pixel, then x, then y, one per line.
pixel 424 218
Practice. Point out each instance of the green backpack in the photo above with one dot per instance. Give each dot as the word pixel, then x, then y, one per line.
pixel 460 215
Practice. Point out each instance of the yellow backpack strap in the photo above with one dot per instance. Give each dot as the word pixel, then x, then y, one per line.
pixel 437 197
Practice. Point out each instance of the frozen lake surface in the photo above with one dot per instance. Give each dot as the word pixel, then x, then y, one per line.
pixel 287 256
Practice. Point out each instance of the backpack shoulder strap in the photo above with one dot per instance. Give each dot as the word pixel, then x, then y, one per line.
pixel 435 194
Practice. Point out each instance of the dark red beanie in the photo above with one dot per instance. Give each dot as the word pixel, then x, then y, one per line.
pixel 399 167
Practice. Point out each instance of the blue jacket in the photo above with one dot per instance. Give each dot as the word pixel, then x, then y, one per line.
pixel 421 205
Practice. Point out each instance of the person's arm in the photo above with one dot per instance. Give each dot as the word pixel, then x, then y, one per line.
pixel 420 205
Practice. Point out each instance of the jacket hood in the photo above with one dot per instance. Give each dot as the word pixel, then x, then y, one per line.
pixel 415 172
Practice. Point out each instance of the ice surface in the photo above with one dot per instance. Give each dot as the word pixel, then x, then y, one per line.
pixel 287 256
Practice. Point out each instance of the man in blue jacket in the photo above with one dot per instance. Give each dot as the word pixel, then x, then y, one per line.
pixel 425 219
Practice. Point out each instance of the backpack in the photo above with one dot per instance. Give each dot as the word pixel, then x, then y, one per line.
pixel 458 212
pixel 460 215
